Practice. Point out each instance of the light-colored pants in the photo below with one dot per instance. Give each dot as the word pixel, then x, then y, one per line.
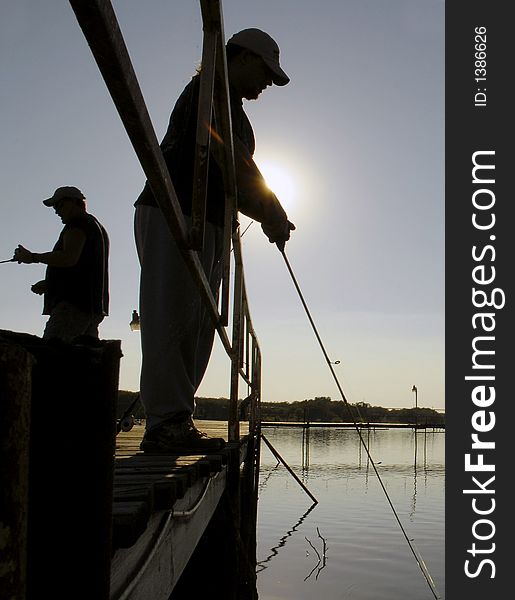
pixel 177 332
pixel 67 322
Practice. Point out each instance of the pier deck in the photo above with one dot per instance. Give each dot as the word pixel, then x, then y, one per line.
pixel 366 425
pixel 162 504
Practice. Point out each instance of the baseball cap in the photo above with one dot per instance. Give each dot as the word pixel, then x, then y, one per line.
pixel 266 47
pixel 67 191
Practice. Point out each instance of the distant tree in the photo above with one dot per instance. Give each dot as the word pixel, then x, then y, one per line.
pixel 317 410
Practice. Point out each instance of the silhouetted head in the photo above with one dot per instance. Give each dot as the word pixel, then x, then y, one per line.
pixel 253 61
pixel 68 202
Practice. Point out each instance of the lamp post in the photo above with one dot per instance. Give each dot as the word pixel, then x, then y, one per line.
pixel 135 324
pixel 414 389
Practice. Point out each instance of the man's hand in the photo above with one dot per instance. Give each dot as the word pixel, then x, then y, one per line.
pixel 278 233
pixel 39 288
pixel 22 255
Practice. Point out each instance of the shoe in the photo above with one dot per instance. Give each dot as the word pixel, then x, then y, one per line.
pixel 169 437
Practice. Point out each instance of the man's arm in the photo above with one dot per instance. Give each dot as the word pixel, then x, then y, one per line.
pixel 73 244
pixel 256 200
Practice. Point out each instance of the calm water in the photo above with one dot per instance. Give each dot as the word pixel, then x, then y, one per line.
pixel 366 555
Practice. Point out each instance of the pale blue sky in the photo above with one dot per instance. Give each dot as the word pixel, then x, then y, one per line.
pixel 359 130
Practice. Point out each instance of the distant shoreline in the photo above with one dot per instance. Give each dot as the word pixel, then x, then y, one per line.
pixel 321 411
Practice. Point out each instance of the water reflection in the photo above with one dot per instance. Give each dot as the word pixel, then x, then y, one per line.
pixel 322 559
pixel 261 565
pixel 326 438
pixel 262 484
pixel 305 453
pixel 414 500
pixel 366 549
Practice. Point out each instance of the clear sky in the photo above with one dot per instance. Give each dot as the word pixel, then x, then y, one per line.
pixel 357 141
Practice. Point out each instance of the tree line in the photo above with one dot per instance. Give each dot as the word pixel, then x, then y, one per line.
pixel 315 410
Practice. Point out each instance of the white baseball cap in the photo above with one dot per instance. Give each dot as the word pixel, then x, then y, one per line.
pixel 266 47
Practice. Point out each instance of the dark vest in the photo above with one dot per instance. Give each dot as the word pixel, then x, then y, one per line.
pixel 85 285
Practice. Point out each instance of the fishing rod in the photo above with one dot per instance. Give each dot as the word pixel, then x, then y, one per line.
pixel 127 413
pixel 418 558
pixel 6 261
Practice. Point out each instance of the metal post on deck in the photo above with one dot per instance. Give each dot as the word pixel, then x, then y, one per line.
pixel 203 136
pixel 234 424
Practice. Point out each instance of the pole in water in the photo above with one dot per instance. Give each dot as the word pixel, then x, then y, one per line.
pixel 418 558
pixel 6 261
pixel 281 459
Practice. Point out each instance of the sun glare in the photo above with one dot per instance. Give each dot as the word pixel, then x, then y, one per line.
pixel 280 182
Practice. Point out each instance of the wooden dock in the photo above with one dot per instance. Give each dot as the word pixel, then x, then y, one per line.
pixel 90 516
pixel 367 425
pixel 162 505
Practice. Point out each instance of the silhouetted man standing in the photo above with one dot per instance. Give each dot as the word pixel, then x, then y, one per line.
pixel 176 331
pixel 75 288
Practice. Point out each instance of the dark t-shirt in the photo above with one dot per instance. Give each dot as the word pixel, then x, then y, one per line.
pixel 178 147
pixel 85 285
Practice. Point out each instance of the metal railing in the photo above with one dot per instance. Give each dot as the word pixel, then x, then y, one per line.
pixel 102 32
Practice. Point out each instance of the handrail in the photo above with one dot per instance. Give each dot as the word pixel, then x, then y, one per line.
pixel 102 32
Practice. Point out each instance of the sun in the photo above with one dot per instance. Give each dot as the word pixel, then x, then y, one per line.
pixel 279 180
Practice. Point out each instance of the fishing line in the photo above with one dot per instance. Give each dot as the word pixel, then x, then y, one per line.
pixel 418 558
pixel 246 229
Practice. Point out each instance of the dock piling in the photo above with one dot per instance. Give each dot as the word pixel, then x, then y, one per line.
pixel 15 396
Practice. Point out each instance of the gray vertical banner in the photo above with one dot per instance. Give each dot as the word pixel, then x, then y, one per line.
pixel 480 254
